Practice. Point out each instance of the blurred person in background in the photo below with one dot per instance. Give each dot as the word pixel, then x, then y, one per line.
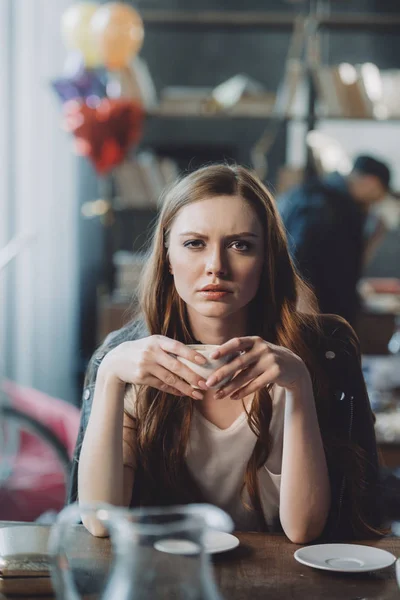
pixel 332 231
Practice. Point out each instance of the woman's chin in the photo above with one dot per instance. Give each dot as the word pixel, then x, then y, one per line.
pixel 214 309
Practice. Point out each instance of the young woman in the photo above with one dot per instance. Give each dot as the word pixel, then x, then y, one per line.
pixel 290 440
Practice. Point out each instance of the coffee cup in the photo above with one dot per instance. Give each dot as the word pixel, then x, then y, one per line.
pixel 212 364
pixel 23 540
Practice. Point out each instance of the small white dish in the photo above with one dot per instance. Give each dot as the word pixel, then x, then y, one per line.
pixel 23 540
pixel 214 542
pixel 345 558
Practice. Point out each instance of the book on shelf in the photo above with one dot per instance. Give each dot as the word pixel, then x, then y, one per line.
pixel 389 104
pixel 357 104
pixel 357 91
pixel 341 92
pixel 239 96
pixel 131 191
pixel 141 180
pixel 128 269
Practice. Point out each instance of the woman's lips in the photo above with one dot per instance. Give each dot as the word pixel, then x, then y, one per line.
pixel 214 294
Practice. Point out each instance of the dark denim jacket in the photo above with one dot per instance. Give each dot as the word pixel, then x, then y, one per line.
pixel 351 422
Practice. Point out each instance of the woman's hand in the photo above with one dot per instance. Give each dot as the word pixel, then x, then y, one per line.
pixel 258 364
pixel 149 361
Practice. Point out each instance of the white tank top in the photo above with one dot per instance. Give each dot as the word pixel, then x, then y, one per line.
pixel 217 460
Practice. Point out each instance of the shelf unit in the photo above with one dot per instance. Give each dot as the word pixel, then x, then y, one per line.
pixel 234 21
pixel 261 20
pixel 159 114
pixel 231 20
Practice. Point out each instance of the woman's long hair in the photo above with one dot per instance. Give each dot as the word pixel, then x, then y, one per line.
pixel 163 421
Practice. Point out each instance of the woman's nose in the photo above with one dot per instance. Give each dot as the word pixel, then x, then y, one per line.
pixel 216 264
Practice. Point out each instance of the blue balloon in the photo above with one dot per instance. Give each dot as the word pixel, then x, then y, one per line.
pixel 84 84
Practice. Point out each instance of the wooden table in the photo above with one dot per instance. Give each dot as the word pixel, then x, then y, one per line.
pixel 261 568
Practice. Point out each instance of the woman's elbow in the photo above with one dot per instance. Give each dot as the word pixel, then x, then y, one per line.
pixel 300 537
pixel 95 527
pixel 304 534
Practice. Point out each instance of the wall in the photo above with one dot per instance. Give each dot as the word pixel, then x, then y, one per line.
pixel 40 194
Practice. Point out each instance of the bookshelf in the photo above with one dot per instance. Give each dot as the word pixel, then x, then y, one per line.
pixel 160 114
pixel 261 20
pixel 199 20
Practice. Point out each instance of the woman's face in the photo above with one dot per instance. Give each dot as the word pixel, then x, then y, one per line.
pixel 216 249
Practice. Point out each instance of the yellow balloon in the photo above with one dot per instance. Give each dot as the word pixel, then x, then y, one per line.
pixel 118 33
pixel 75 28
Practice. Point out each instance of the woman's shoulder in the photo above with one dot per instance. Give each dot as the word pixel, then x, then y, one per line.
pixel 134 330
pixel 337 328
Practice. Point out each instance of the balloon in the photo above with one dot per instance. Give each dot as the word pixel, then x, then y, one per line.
pixel 84 84
pixel 104 132
pixel 117 30
pixel 75 29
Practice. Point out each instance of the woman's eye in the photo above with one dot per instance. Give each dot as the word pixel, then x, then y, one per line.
pixel 193 244
pixel 242 246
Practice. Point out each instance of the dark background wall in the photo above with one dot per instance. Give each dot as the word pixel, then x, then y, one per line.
pixel 207 57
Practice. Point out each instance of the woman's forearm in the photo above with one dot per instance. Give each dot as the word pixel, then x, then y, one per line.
pixel 305 487
pixel 101 471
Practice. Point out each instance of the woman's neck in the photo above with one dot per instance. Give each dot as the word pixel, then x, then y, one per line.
pixel 212 330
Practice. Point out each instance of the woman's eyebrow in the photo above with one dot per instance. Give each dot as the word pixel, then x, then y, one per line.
pixel 228 237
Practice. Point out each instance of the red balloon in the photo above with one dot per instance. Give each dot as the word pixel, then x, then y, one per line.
pixel 104 132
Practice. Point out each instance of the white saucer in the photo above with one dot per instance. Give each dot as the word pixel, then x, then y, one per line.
pixel 214 542
pixel 346 558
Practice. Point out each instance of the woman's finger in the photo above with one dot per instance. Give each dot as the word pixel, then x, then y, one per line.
pixel 234 345
pixel 179 349
pixel 242 379
pixel 156 383
pixel 173 381
pixel 257 384
pixel 240 363
pixel 174 365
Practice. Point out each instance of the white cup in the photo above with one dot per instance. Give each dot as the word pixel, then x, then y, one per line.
pixel 24 540
pixel 212 364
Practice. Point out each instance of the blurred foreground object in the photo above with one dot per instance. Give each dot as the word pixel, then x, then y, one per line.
pixel 34 470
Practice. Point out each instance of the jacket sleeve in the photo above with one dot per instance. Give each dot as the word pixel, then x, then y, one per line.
pixel 354 469
pixel 111 341
pixel 86 407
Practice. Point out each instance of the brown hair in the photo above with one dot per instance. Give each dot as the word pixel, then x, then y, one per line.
pixel 163 422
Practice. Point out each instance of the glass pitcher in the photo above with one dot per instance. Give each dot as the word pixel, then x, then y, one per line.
pixel 158 553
